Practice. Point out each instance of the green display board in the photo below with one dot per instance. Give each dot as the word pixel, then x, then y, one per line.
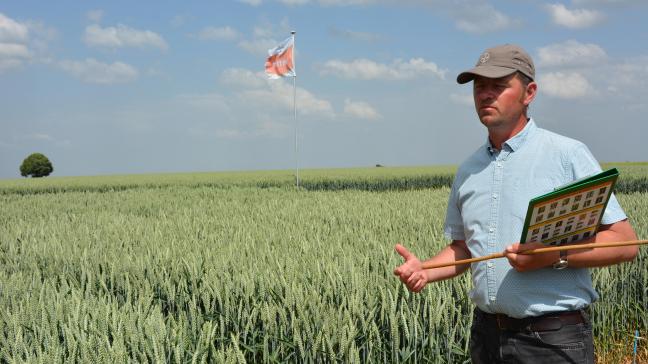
pixel 571 212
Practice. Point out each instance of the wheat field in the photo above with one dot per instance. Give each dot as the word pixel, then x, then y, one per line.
pixel 232 268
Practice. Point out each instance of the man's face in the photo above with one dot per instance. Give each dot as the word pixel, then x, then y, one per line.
pixel 500 101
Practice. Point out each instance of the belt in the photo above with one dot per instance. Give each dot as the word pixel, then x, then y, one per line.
pixel 548 322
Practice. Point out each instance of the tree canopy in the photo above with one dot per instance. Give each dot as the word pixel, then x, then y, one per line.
pixel 36 165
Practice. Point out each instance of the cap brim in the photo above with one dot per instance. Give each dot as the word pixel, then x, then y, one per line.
pixel 484 71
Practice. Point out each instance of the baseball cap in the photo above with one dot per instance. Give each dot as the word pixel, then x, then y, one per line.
pixel 500 61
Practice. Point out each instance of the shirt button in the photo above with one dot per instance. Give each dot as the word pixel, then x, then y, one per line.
pixel 492 298
pixel 494 196
pixel 491 230
pixel 499 164
pixel 490 264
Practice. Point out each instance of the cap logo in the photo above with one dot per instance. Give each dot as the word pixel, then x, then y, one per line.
pixel 484 58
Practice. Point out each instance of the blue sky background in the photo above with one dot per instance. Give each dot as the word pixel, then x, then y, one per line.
pixel 137 87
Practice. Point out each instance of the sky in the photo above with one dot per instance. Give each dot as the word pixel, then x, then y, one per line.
pixel 125 87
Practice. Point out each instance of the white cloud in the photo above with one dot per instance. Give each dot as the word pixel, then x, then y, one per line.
pixel 265 128
pixel 11 30
pixel 576 18
pixel 366 69
pixel 294 2
pixel 571 53
pixel 279 95
pixel 629 75
pixel 361 110
pixel 122 36
pixel 321 2
pixel 251 2
pixel 40 36
pixel 93 71
pixel 264 31
pixel 95 16
pixel 610 2
pixel 243 78
pixel 13 50
pixel 346 2
pixel 481 18
pixel 565 85
pixel 264 37
pixel 14 39
pixel 264 99
pixel 258 46
pixel 270 30
pixel 259 103
pixel 222 33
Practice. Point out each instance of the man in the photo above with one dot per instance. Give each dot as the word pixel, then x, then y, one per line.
pixel 528 310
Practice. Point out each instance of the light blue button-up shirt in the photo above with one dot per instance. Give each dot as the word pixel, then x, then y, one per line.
pixel 487 206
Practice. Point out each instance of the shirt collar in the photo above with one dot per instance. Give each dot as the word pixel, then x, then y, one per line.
pixel 517 141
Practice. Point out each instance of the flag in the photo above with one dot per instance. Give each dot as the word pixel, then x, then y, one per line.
pixel 280 60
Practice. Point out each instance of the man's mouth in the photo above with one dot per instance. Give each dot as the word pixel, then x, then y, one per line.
pixel 487 107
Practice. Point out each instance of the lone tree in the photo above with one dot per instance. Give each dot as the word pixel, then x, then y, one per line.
pixel 36 165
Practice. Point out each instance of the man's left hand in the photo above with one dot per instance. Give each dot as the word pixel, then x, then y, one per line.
pixel 525 263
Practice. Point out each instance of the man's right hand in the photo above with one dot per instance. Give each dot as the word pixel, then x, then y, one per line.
pixel 411 273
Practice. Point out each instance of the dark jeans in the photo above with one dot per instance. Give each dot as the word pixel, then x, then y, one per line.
pixel 568 344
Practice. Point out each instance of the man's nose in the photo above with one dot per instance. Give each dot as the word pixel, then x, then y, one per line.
pixel 486 94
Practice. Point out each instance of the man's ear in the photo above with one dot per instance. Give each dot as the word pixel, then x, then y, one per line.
pixel 530 93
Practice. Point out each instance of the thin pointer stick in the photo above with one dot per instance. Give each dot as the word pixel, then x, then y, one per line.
pixel 539 251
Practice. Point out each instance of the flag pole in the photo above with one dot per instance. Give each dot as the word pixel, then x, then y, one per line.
pixel 295 108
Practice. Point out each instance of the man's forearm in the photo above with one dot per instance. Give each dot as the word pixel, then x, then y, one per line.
pixel 457 250
pixel 587 258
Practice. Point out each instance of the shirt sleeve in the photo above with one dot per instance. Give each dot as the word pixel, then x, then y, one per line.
pixel 453 227
pixel 583 164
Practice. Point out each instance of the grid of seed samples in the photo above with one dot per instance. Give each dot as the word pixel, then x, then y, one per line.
pixel 569 217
